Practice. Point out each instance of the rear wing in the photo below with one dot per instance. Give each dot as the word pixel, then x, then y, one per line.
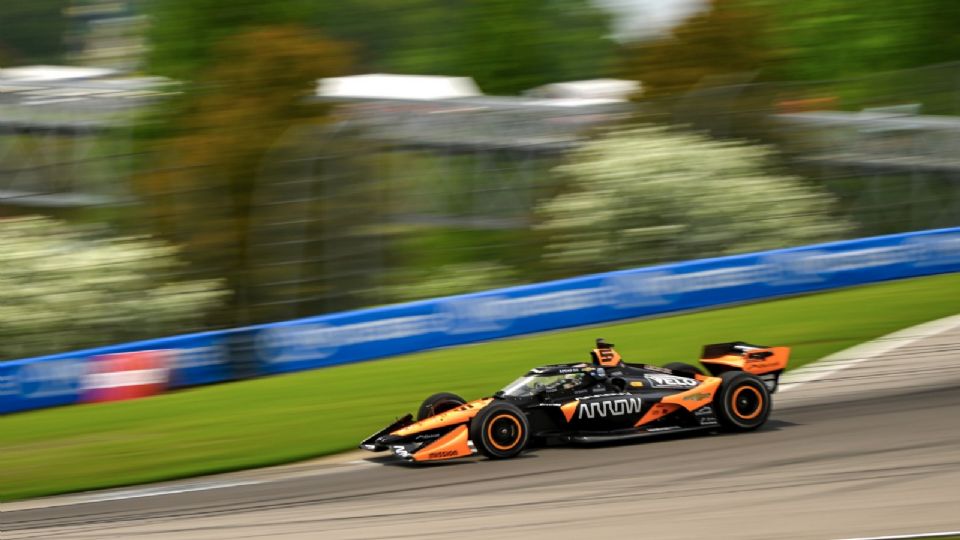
pixel 766 362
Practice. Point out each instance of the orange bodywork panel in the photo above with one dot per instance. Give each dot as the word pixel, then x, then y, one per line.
pixel 569 408
pixel 452 445
pixel 691 399
pixel 757 361
pixel 460 415
pixel 657 412
pixel 696 397
pixel 606 357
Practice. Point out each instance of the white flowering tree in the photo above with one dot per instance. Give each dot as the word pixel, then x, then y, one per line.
pixel 651 194
pixel 63 288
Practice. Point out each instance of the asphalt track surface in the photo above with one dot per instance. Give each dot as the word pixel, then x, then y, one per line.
pixel 869 450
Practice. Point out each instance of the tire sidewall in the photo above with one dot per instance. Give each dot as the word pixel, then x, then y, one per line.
pixel 429 405
pixel 479 430
pixel 727 412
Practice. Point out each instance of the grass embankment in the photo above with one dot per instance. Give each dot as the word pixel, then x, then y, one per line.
pixel 291 417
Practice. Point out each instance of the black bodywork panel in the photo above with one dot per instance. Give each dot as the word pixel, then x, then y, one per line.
pixel 610 407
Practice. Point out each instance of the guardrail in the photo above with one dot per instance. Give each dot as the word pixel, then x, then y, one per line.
pixel 340 338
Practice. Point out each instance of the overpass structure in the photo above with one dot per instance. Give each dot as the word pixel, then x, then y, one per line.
pixel 65 139
pixel 462 157
pixel 886 143
pixel 892 169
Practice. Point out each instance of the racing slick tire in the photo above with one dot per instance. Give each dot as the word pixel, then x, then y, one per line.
pixel 438 403
pixel 684 369
pixel 500 430
pixel 743 401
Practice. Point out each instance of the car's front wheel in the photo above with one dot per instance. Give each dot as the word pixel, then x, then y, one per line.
pixel 500 430
pixel 438 403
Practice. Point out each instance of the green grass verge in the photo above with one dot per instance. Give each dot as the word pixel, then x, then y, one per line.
pixel 291 417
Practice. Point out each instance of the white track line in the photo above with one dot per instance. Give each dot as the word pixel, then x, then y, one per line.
pixel 155 491
pixel 174 487
pixel 861 353
pixel 904 536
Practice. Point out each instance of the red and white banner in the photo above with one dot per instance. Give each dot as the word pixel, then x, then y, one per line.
pixel 119 376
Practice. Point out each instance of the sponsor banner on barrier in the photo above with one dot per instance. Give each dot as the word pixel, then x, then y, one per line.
pixel 126 375
pixel 372 333
pixel 347 337
pixel 33 385
pixel 65 379
pixel 199 362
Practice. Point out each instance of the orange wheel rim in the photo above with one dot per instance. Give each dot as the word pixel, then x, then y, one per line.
pixel 736 401
pixel 517 428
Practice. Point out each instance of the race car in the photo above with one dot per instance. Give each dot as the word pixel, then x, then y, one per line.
pixel 605 399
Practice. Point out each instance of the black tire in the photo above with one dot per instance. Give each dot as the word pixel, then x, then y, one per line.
pixel 743 402
pixel 438 403
pixel 684 369
pixel 500 430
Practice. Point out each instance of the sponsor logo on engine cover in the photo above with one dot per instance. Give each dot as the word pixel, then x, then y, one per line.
pixel 660 381
pixel 613 407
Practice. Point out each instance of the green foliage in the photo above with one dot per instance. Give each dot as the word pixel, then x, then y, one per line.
pixel 721 45
pixel 815 40
pixel 824 39
pixel 648 195
pixel 507 45
pixel 63 288
pixel 32 32
pixel 513 45
pixel 186 36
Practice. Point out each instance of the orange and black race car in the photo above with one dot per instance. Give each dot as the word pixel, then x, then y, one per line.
pixel 603 400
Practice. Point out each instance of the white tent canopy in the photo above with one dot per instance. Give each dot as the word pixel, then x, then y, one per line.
pixel 54 73
pixel 384 86
pixel 597 89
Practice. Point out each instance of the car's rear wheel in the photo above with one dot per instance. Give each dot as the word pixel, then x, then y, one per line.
pixel 743 402
pixel 686 370
pixel 500 430
pixel 438 403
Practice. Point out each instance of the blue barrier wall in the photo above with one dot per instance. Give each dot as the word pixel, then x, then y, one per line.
pixel 371 333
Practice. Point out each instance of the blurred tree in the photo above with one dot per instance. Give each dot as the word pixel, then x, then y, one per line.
pixel 824 39
pixel 812 40
pixel 203 188
pixel 506 45
pixel 650 195
pixel 187 36
pixel 216 135
pixel 939 30
pixel 63 287
pixel 713 46
pixel 513 45
pixel 32 32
